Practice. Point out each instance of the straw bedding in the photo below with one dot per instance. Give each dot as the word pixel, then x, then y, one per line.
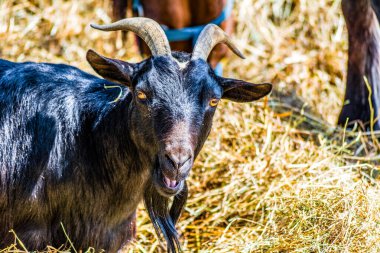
pixel 275 175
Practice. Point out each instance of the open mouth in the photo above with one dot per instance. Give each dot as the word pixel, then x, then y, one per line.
pixel 166 186
pixel 171 184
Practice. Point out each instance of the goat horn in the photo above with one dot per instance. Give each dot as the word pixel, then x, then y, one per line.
pixel 147 29
pixel 210 36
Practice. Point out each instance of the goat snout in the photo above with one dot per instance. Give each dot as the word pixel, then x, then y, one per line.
pixel 177 162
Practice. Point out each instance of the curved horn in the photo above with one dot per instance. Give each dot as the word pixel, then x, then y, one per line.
pixel 147 29
pixel 210 36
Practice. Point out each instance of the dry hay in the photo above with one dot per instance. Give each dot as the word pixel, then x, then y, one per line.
pixel 267 180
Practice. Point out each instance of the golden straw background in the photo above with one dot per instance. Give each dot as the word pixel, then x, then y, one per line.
pixel 273 176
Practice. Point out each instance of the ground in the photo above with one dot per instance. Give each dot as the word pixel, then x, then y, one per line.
pixel 273 176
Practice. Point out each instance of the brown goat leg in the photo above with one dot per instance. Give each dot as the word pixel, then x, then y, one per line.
pixel 119 9
pixel 363 61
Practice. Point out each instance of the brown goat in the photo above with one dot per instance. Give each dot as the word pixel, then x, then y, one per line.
pixel 363 61
pixel 177 14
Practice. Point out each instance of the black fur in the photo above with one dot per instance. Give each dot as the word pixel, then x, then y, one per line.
pixel 376 8
pixel 72 155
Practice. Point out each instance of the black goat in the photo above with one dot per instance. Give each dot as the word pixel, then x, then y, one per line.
pixel 73 157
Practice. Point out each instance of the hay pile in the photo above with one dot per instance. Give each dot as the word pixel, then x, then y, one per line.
pixel 265 181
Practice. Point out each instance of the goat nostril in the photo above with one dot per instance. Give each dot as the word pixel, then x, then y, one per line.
pixel 171 161
pixel 184 161
pixel 177 163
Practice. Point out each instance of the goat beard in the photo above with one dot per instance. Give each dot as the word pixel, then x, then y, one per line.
pixel 163 216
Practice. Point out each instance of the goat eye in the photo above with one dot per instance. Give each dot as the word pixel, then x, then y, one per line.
pixel 141 95
pixel 214 102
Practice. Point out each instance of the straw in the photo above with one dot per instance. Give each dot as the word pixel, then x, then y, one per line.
pixel 276 175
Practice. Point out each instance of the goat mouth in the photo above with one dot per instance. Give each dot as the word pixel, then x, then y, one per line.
pixel 166 186
pixel 169 186
pixel 169 183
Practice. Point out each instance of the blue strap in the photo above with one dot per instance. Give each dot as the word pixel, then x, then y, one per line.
pixel 188 33
pixel 137 8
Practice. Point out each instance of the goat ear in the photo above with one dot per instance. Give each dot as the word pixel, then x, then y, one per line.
pixel 110 69
pixel 241 91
